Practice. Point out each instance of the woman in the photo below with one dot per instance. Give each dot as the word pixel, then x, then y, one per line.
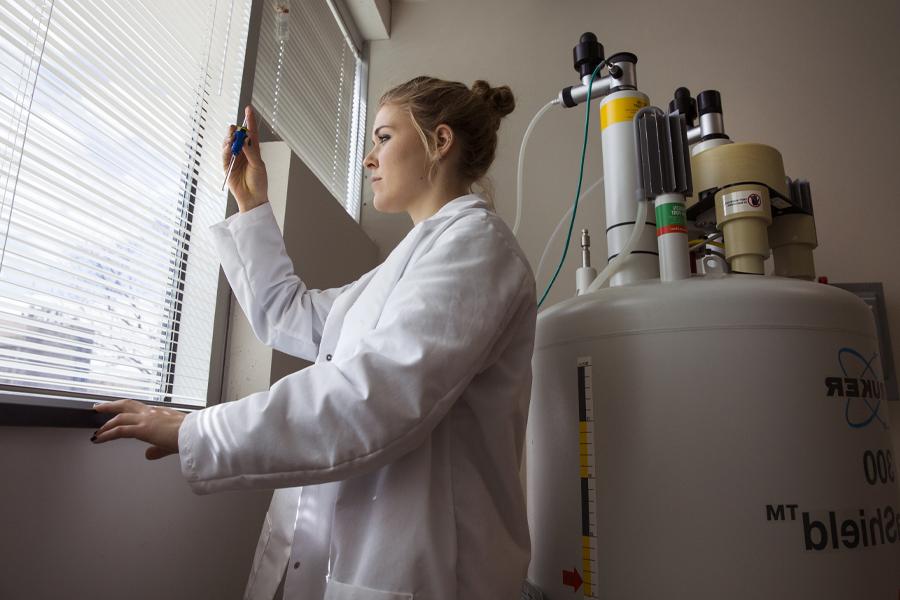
pixel 406 435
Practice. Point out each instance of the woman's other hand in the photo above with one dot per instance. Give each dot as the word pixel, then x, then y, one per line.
pixel 155 425
pixel 248 181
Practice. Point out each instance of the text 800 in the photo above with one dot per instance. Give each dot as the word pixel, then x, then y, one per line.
pixel 878 466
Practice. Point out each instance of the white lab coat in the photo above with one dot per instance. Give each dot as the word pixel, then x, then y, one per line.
pixel 407 433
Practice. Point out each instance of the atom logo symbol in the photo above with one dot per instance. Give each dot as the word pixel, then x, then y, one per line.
pixel 863 412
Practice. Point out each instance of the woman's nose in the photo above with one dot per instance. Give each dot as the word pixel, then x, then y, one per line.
pixel 369 161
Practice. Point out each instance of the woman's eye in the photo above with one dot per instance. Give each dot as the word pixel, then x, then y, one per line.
pixel 383 138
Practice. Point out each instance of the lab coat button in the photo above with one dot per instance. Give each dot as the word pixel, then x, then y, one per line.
pixel 296 565
pixel 327 357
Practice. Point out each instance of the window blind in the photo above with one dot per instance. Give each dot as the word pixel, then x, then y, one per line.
pixel 307 86
pixel 111 121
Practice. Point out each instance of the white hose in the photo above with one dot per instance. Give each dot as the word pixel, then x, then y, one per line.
pixel 559 226
pixel 520 176
pixel 615 264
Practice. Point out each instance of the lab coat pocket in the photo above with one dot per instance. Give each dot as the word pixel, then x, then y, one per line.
pixel 335 590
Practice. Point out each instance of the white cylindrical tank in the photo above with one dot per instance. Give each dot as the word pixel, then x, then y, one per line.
pixel 717 437
pixel 620 182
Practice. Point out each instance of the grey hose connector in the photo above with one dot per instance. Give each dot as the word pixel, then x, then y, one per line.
pixel 559 227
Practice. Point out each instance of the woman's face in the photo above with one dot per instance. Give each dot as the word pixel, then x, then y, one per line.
pixel 397 162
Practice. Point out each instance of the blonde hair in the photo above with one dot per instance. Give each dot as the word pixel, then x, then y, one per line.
pixel 473 114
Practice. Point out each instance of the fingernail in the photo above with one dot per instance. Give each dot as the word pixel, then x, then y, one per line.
pixel 94 439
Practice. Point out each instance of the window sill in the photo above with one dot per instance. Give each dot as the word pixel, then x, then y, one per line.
pixel 33 410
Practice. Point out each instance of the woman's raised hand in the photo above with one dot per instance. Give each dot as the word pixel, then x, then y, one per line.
pixel 248 181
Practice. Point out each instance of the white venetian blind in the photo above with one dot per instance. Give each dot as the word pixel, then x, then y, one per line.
pixel 111 119
pixel 307 87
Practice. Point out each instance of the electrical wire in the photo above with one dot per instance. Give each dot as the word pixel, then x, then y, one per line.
pixel 587 120
pixel 710 241
pixel 565 217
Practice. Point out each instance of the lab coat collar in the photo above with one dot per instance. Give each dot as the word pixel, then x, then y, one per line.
pixel 458 204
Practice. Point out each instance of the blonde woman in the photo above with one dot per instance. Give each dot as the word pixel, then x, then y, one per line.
pixel 395 457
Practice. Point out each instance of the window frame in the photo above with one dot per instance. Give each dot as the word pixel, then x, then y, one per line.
pixel 24 406
pixel 21 406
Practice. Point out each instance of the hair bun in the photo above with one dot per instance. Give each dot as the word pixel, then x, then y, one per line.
pixel 500 99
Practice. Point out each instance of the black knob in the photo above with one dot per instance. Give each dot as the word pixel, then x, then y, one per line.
pixel 685 104
pixel 623 57
pixel 587 54
pixel 709 101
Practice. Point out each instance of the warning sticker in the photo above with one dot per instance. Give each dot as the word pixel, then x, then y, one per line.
pixel 742 202
pixel 619 110
pixel 670 218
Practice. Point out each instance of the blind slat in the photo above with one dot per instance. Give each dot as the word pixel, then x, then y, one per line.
pixel 32 345
pixel 106 312
pixel 19 323
pixel 106 257
pixel 124 332
pixel 112 391
pixel 94 366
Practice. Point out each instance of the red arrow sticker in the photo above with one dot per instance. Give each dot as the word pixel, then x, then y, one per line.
pixel 572 578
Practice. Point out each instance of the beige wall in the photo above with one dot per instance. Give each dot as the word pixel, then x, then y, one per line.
pixel 816 80
pixel 86 521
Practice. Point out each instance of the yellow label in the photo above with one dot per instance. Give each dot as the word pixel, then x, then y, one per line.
pixel 586 567
pixel 620 109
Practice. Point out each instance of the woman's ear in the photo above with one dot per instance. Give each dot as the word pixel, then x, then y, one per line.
pixel 445 138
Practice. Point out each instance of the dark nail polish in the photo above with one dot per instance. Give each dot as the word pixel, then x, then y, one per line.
pixel 94 439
